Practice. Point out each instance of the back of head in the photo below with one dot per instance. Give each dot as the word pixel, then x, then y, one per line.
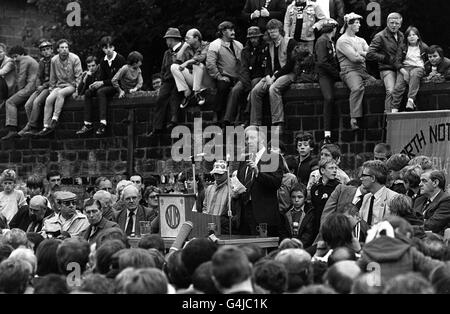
pixel 317 289
pixel 230 267
pixel 196 252
pixel 202 279
pixel 51 284
pixel 401 206
pixel 293 243
pixel 142 281
pixel 271 276
pixel 46 257
pixel 72 252
pixel 401 226
pixel 136 258
pixel 397 162
pixel 337 231
pixel 152 241
pixel 341 275
pixel 14 276
pixel 341 254
pixel 176 271
pixel 367 284
pixel 423 161
pixel 440 279
pixel 410 283
pixel 97 284
pixel 26 255
pixel 5 251
pixel 104 255
pixel 298 265
pixel 16 237
pixel 112 234
pixel 158 258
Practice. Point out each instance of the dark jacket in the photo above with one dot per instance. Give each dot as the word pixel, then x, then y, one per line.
pixel 290 61
pixel 306 229
pixel 22 219
pixel 253 64
pixel 437 213
pixel 325 58
pixel 84 86
pixel 262 190
pixel 442 68
pixel 384 49
pixel 401 54
pixel 43 78
pixel 276 8
pixel 319 197
pixel 102 225
pixel 305 168
pixel 107 72
pixel 169 58
pixel 141 215
pixel 394 257
pixel 337 11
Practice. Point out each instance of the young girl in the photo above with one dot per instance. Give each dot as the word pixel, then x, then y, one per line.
pixel 413 58
pixel 128 79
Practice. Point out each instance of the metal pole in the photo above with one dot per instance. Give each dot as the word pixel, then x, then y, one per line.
pixel 230 214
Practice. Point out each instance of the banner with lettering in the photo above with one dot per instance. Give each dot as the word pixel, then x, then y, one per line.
pixel 422 133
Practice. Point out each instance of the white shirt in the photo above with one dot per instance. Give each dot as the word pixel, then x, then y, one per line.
pixel 110 61
pixel 325 6
pixel 176 46
pixel 379 207
pixel 358 196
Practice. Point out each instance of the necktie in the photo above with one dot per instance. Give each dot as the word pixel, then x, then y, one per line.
pixel 130 224
pixel 232 49
pixel 425 206
pixel 369 216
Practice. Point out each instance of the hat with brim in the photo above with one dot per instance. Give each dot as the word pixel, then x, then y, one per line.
pixel 220 167
pixel 253 32
pixel 45 44
pixel 65 196
pixel 173 32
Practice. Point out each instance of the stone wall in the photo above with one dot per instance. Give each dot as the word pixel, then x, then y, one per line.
pixel 125 148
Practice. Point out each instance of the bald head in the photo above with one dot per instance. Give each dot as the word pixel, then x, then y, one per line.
pixel 193 37
pixel 37 208
pixel 341 275
pixel 38 201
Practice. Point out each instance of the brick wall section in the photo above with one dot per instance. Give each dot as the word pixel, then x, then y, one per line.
pixel 93 156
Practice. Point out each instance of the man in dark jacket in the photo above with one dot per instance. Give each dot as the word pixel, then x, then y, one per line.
pixel 97 223
pixel 434 202
pixel 259 12
pixel 30 218
pixel 261 175
pixel 253 66
pixel 35 103
pixel 438 66
pixel 306 162
pixel 384 49
pixel 168 98
pixel 102 89
pixel 279 76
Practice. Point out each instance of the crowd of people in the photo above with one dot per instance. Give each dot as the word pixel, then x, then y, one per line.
pixel 304 41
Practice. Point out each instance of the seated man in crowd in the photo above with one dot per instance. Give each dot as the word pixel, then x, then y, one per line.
pixel 65 75
pixel 34 104
pixel 102 88
pixel 67 219
pixel 33 216
pixel 130 213
pixel 7 74
pixel 106 201
pixel 190 74
pixel 279 76
pixel 128 79
pixel 438 66
pixel 27 70
pixel 223 64
pixel 97 222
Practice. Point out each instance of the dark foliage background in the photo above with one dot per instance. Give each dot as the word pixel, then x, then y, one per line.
pixel 140 24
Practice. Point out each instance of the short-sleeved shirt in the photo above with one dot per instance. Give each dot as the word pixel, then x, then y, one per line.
pixel 10 203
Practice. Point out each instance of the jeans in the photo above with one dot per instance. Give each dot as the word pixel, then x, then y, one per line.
pixel 389 78
pixel 104 95
pixel 12 103
pixel 355 81
pixel 237 105
pixel 55 103
pixel 415 75
pixel 327 88
pixel 223 92
pixel 276 99
pixel 34 107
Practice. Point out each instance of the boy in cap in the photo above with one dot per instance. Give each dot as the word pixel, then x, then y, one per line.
pixel 216 195
pixel 10 199
pixel 34 104
pixel 67 218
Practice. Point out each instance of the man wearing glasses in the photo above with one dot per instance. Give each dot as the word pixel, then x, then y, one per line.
pixel 67 218
pixel 376 203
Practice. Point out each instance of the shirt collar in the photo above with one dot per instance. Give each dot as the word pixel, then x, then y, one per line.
pixel 259 154
pixel 379 192
pixel 358 192
pixel 112 59
pixel 434 196
pixel 176 46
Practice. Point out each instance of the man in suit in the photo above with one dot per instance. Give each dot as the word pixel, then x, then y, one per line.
pixel 97 223
pixel 375 205
pixel 130 214
pixel 434 203
pixel 261 174
pixel 30 218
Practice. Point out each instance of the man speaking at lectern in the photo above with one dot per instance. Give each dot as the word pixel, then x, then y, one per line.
pixel 261 175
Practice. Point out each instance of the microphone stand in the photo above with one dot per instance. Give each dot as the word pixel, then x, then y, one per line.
pixel 230 214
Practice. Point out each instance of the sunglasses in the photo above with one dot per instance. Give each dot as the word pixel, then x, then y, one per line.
pixel 55 180
pixel 68 203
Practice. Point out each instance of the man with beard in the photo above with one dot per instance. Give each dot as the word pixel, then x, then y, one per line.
pixel 34 216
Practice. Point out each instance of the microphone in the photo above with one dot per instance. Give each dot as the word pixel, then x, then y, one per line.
pixel 184 232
